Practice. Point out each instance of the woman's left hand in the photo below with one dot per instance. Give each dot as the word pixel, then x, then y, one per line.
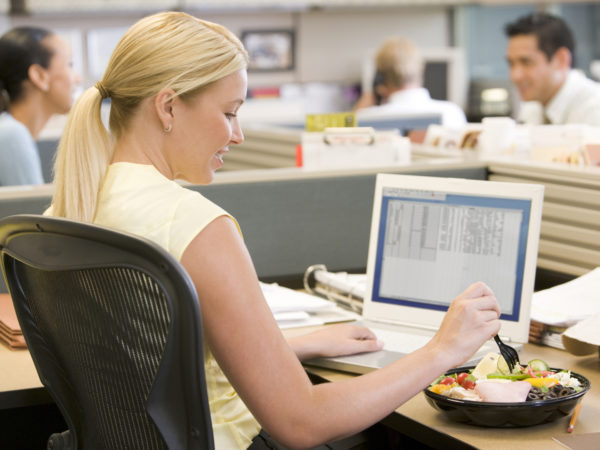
pixel 335 340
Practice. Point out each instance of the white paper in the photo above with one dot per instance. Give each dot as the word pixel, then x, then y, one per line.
pixel 293 309
pixel 281 299
pixel 588 330
pixel 568 303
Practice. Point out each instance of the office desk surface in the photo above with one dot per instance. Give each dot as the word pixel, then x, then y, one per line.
pixel 19 382
pixel 18 371
pixel 20 386
pixel 417 419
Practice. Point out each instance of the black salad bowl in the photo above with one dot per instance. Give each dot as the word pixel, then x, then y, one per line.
pixel 521 414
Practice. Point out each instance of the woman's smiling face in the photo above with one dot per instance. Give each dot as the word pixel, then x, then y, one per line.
pixel 62 78
pixel 203 128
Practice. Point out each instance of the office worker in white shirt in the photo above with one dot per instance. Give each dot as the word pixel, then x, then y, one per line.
pixel 176 84
pixel 540 55
pixel 398 87
pixel 37 80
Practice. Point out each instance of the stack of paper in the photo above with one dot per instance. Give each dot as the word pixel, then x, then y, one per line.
pixel 10 330
pixel 566 305
pixel 297 309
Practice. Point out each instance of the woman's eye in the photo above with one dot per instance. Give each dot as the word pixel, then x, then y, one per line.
pixel 230 115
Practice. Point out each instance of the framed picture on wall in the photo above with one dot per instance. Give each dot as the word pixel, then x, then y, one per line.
pixel 269 50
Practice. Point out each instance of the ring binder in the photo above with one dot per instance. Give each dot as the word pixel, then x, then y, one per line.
pixel 346 147
pixel 343 294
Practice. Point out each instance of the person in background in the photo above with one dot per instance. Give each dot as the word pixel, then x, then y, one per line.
pixel 36 81
pixel 540 55
pixel 398 87
pixel 176 84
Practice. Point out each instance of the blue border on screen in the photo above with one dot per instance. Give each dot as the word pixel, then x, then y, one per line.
pixel 523 205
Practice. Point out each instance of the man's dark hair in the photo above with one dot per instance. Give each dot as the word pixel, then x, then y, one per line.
pixel 552 33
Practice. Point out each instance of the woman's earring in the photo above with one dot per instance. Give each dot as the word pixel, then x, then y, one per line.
pixel 169 128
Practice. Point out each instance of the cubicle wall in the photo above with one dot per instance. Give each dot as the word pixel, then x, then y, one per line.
pixel 292 219
pixel 23 200
pixel 570 231
pixel 291 224
pixel 34 204
pixel 288 222
pixel 47 150
pixel 272 146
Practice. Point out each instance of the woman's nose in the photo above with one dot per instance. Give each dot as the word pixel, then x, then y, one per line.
pixel 237 137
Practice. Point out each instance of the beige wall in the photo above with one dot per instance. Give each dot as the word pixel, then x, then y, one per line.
pixel 331 45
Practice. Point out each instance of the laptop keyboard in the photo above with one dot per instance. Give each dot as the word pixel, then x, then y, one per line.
pixel 398 341
pixel 401 342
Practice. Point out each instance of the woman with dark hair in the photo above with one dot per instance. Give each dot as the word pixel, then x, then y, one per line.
pixel 37 80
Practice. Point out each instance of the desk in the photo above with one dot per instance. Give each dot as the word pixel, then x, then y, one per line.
pixel 418 420
pixel 19 382
pixel 20 386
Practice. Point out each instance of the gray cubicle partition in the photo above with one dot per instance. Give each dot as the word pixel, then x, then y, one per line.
pixel 47 150
pixel 404 123
pixel 288 224
pixel 24 205
pixel 14 203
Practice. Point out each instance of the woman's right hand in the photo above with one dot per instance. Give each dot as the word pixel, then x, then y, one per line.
pixel 472 318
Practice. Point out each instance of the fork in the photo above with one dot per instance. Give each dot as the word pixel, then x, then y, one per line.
pixel 509 354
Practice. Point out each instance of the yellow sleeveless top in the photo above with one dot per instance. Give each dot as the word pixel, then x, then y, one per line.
pixel 138 199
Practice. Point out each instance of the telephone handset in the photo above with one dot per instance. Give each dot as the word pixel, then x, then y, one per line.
pixel 378 80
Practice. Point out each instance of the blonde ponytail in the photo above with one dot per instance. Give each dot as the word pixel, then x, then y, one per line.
pixel 165 50
pixel 84 152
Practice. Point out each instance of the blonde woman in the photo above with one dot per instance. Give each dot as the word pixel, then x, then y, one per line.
pixel 37 80
pixel 176 84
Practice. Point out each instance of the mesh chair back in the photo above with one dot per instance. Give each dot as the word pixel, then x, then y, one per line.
pixel 113 326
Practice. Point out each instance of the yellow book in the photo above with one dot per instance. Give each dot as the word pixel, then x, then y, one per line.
pixel 318 122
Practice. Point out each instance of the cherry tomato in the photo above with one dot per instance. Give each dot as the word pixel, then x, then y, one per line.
pixel 544 373
pixel 468 384
pixel 460 378
pixel 448 380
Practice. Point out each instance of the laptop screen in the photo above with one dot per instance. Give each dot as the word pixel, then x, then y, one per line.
pixel 433 237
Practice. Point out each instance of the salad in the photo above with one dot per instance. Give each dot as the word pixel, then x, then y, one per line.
pixel 492 381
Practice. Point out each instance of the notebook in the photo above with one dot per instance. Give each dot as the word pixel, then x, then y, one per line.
pixel 432 237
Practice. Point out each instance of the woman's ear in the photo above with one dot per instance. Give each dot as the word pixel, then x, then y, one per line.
pixel 163 105
pixel 39 77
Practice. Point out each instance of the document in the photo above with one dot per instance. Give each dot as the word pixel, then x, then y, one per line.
pixel 568 303
pixel 293 309
pixel 575 307
pixel 457 243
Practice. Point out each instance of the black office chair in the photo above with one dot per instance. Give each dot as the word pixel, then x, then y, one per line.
pixel 113 325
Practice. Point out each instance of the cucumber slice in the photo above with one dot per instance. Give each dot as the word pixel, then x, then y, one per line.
pixel 503 366
pixel 537 365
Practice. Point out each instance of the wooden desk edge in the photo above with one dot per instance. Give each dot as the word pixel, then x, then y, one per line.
pixel 418 420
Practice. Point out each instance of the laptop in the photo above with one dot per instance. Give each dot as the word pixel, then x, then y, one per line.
pixel 431 238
